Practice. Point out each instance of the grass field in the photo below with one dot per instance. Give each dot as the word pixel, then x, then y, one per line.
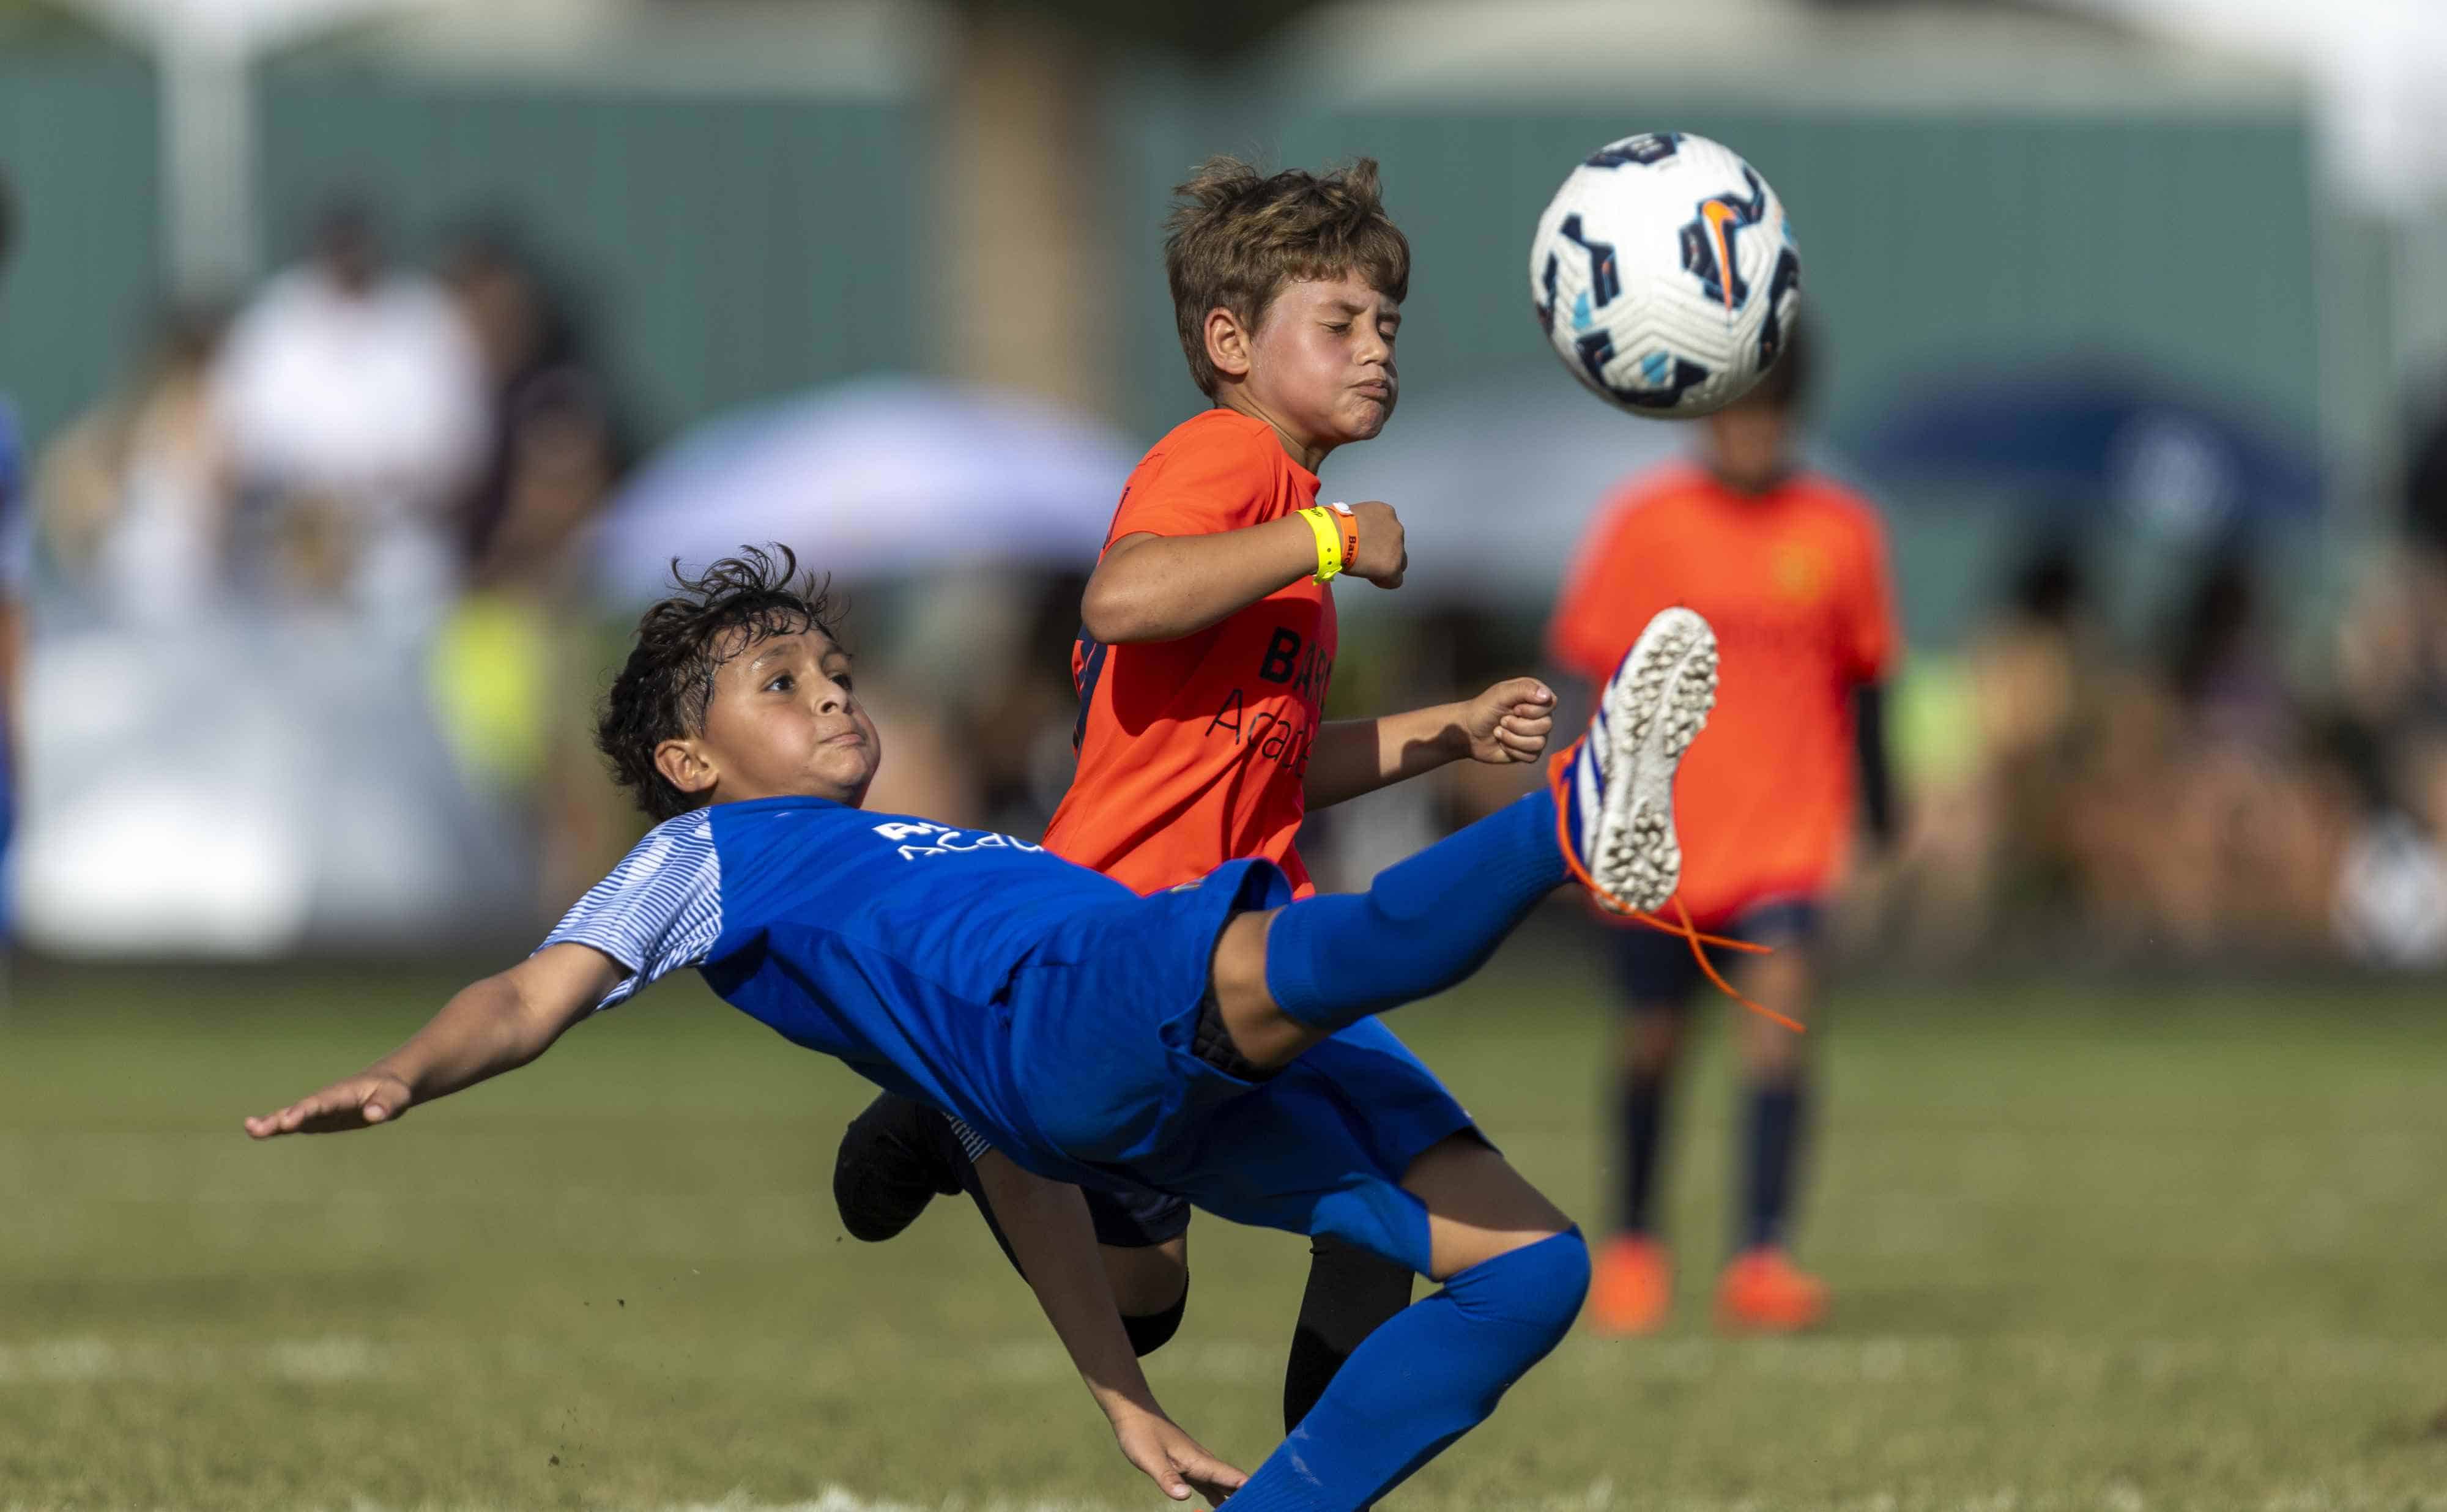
pixel 2090 1250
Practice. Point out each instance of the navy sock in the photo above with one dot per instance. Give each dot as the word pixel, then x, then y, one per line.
pixel 1424 1379
pixel 1640 1116
pixel 1423 925
pixel 1774 1151
pixel 1350 1294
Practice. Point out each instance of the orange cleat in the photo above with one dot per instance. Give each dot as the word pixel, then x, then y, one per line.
pixel 1763 1291
pixel 1633 1287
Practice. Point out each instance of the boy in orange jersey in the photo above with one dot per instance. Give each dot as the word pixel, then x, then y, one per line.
pixel 1790 567
pixel 1207 636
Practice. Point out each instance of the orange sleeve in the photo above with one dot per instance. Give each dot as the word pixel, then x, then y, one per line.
pixel 1870 639
pixel 1581 636
pixel 1201 485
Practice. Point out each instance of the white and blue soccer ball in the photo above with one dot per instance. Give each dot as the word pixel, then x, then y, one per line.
pixel 1665 275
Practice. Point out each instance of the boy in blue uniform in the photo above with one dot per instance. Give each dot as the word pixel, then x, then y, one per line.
pixel 1215 1042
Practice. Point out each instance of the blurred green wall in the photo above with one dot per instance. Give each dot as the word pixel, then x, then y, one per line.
pixel 2182 241
pixel 727 246
pixel 80 137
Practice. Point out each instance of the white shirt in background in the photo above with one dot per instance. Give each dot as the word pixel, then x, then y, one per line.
pixel 375 402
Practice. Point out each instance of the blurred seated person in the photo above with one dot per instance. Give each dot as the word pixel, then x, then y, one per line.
pixel 133 497
pixel 356 392
pixel 2392 647
pixel 2249 839
pixel 511 664
pixel 556 446
pixel 2391 720
pixel 1989 739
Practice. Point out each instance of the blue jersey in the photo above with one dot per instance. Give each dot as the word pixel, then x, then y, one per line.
pixel 1051 1010
pixel 887 941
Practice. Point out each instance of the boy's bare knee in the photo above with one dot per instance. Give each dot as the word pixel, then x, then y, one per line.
pixel 1478 1205
pixel 1783 982
pixel 1652 1040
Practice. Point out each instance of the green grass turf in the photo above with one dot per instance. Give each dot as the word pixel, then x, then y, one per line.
pixel 2120 1250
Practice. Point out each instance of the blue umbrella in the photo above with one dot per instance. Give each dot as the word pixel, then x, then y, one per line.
pixel 2079 440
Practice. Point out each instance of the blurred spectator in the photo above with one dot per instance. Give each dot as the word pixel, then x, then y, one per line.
pixel 1990 822
pixel 353 404
pixel 133 497
pixel 2392 693
pixel 2392 650
pixel 555 440
pixel 2180 807
pixel 1020 727
pixel 2248 851
pixel 511 670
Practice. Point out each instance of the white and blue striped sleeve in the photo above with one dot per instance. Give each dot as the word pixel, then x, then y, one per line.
pixel 659 911
pixel 973 1144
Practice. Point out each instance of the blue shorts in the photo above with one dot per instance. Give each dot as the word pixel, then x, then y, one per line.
pixel 1658 973
pixel 1103 1020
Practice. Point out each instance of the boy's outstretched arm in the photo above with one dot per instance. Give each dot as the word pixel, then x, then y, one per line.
pixel 1507 723
pixel 1150 587
pixel 1054 1243
pixel 489 1027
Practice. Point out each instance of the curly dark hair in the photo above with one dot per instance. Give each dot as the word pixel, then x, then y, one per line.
pixel 663 691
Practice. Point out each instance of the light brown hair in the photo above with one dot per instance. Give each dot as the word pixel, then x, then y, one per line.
pixel 1235 236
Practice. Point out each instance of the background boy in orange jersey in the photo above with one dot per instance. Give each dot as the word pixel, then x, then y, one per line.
pixel 1206 641
pixel 1790 568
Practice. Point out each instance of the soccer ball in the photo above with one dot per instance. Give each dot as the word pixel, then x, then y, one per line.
pixel 1664 274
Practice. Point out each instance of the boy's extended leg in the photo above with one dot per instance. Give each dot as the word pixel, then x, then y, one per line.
pixel 1287 979
pixel 1515 1271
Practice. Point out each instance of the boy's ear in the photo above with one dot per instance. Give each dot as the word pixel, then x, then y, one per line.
pixel 684 765
pixel 1227 343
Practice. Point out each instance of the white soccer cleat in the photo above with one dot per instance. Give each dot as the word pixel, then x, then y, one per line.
pixel 1616 792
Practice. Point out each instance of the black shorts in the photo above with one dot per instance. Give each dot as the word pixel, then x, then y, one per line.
pixel 1656 971
pixel 1138 1220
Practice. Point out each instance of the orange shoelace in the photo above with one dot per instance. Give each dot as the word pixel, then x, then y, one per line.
pixel 1679 924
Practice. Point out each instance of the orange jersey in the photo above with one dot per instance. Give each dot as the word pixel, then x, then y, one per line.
pixel 1794 582
pixel 1191 751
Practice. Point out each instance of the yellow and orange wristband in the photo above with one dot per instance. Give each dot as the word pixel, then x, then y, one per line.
pixel 1336 530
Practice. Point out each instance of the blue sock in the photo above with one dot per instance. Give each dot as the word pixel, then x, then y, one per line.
pixel 1426 1378
pixel 1423 925
pixel 1774 1146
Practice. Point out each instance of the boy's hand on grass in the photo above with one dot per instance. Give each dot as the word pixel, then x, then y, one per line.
pixel 363 1100
pixel 1383 556
pixel 1509 722
pixel 1175 1462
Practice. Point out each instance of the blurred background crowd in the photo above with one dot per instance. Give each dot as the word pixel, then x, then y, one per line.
pixel 371 358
